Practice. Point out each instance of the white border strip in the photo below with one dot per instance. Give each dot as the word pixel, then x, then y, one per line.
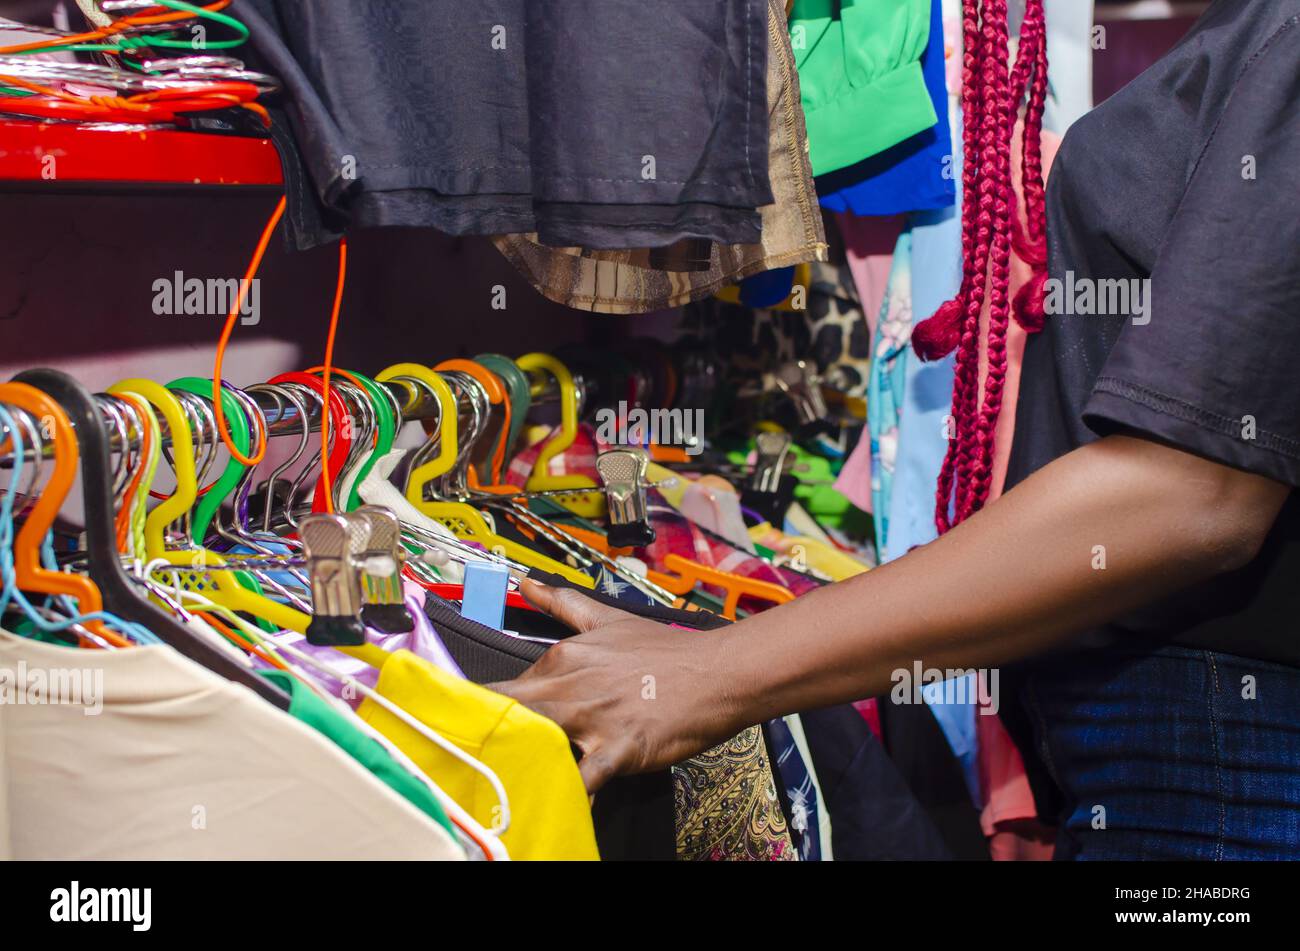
pixel 1148 10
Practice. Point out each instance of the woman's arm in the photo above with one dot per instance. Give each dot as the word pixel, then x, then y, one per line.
pixel 1014 580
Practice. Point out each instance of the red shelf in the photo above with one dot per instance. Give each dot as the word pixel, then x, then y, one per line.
pixel 85 154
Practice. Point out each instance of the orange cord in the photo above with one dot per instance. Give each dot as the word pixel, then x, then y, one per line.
pixel 351 378
pixel 158 105
pixel 327 368
pixel 244 285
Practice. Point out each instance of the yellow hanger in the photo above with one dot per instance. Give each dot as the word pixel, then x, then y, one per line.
pixel 220 587
pixel 464 520
pixel 585 504
pixel 447 444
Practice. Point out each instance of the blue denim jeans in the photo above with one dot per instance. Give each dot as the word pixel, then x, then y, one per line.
pixel 1171 754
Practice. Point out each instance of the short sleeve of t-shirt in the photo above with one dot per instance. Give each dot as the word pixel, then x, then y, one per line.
pixel 1212 365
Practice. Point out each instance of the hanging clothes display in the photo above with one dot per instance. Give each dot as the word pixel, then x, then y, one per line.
pixel 860 68
pixel 637 280
pixel 383 683
pixel 730 303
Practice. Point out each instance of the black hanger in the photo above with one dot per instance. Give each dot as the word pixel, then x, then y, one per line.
pixel 120 594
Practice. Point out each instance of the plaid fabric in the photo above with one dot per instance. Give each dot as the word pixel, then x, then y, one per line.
pixel 642 280
pixel 578 459
pixel 678 535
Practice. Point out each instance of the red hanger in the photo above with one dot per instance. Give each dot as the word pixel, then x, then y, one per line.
pixel 456 592
pixel 338 411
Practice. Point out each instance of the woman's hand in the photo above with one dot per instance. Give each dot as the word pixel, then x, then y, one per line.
pixel 633 695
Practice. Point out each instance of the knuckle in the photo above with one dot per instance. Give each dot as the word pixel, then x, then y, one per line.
pixel 560 653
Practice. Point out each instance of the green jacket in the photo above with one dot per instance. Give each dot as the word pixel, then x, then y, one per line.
pixel 860 71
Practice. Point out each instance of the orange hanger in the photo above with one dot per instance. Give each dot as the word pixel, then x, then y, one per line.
pixel 496 394
pixel 690 573
pixel 29 573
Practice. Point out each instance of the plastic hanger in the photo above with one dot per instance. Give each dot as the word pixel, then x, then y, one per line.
pixel 29 573
pixel 464 520
pixel 455 592
pixel 519 394
pixel 496 394
pixel 225 484
pixel 387 424
pixel 441 464
pixel 691 573
pixel 340 431
pixel 239 412
pixel 132 499
pixel 220 585
pixel 540 480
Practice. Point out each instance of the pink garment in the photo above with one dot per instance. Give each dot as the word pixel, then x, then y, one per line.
pixel 578 459
pixel 869 247
pixel 1003 782
pixel 1024 841
pixel 1007 797
pixel 854 480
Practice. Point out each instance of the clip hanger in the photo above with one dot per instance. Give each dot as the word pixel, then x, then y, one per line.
pixel 380 557
pixel 623 471
pixel 772 450
pixel 797 380
pixel 330 541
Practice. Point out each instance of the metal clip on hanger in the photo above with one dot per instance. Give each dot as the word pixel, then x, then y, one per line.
pixel 381 557
pixel 623 471
pixel 772 449
pixel 335 581
pixel 770 491
pixel 797 381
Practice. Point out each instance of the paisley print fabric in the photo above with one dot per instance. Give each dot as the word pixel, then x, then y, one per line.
pixel 727 805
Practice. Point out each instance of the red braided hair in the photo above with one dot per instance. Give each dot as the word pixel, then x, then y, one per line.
pixel 990 228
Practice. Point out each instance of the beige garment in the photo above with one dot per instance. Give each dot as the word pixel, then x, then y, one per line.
pixel 622 282
pixel 182 764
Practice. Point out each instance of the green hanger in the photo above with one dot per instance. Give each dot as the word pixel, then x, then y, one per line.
pixel 211 500
pixel 388 427
pixel 520 394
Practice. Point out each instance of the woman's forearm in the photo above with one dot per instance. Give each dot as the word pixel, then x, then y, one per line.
pixel 1103 530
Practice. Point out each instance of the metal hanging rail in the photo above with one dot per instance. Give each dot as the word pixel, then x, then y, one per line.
pixel 282 418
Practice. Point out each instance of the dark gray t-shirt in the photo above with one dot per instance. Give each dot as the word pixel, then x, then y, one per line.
pixel 601 123
pixel 1183 191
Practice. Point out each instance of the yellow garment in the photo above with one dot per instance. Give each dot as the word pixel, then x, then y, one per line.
pixel 817 555
pixel 550 816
